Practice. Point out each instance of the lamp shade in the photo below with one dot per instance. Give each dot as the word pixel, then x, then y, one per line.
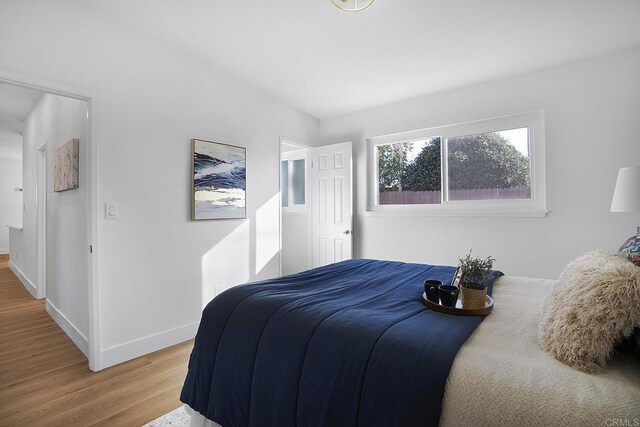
pixel 626 197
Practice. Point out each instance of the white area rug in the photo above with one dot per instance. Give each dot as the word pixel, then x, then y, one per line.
pixel 177 418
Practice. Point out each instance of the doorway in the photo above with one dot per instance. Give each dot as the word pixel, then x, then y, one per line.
pixel 295 207
pixel 316 194
pixel 60 227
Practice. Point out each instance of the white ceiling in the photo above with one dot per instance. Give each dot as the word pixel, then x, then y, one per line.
pixel 327 62
pixel 15 105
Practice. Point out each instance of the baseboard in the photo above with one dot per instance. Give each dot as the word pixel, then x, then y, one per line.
pixel 136 348
pixel 33 290
pixel 4 251
pixel 69 328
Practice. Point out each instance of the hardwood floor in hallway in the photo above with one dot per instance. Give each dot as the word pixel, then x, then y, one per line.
pixel 45 379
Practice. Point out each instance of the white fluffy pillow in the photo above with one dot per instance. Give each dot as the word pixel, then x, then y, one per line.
pixel 594 304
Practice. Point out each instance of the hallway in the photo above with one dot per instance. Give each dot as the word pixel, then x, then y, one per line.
pixel 45 379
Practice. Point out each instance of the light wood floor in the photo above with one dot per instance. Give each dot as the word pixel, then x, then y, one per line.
pixel 45 379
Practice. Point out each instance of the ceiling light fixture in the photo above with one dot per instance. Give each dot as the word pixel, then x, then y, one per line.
pixel 352 5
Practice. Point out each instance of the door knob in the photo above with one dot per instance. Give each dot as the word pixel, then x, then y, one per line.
pixel 346 232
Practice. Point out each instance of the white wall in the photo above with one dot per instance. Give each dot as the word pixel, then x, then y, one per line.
pixel 592 129
pixel 156 267
pixel 10 200
pixel 67 287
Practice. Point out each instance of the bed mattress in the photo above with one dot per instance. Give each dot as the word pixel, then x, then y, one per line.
pixel 501 377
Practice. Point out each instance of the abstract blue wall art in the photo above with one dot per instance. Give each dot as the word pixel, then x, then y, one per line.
pixel 219 180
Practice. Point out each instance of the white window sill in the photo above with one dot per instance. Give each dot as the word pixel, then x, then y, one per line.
pixel 533 213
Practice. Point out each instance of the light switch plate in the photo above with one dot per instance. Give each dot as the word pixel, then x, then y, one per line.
pixel 111 211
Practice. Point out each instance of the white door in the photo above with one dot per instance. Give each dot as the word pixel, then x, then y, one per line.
pixel 332 203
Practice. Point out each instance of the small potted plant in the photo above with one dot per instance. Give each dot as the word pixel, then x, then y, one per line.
pixel 475 273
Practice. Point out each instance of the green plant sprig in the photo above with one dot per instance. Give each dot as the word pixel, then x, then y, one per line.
pixel 476 271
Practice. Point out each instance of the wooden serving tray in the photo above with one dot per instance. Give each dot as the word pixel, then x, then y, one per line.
pixel 458 309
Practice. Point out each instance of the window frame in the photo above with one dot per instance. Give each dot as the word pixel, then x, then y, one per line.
pixel 533 207
pixel 290 156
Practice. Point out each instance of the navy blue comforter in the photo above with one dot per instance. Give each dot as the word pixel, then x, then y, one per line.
pixel 348 344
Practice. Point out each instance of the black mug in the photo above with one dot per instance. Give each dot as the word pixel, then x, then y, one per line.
pixel 448 295
pixel 431 290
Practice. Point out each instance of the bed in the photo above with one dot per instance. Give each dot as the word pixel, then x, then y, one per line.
pixel 352 344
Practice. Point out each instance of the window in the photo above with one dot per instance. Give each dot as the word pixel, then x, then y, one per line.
pixel 490 167
pixel 409 172
pixel 293 182
pixel 297 182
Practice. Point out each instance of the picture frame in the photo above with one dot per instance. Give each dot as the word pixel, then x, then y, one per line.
pixel 66 165
pixel 218 180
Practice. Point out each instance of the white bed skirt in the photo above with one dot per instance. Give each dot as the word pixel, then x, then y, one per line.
pixel 198 420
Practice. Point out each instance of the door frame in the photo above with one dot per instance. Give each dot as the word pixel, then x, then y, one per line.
pixel 308 194
pixel 61 89
pixel 41 216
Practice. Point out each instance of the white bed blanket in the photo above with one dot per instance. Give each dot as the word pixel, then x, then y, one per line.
pixel 501 377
